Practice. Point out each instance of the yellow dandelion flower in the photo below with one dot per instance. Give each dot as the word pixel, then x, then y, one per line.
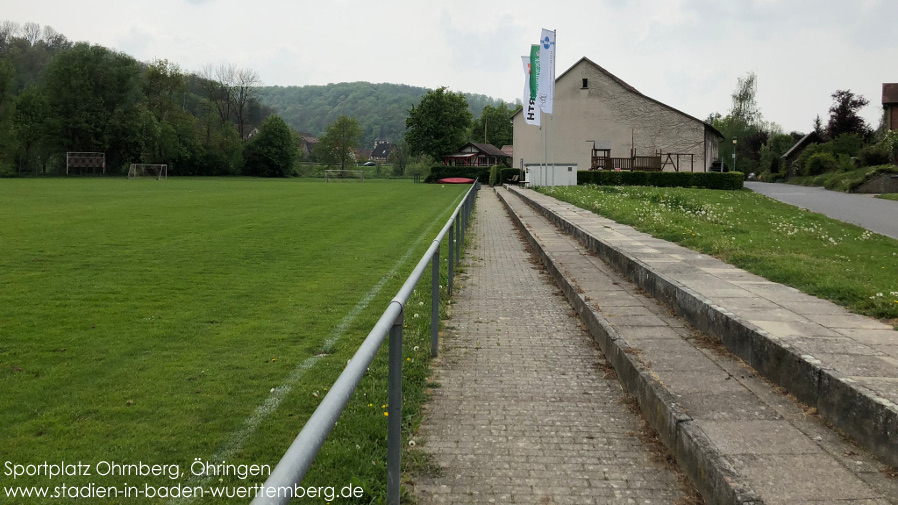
pixel 386 414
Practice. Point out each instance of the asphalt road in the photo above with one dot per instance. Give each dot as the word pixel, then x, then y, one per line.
pixel 874 214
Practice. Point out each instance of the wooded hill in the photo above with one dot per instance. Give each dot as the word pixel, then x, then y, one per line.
pixel 309 109
pixel 58 96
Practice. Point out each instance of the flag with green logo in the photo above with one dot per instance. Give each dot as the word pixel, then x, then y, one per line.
pixel 534 71
pixel 531 111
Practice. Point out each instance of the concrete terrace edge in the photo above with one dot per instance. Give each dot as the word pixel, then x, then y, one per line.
pixel 694 451
pixel 871 421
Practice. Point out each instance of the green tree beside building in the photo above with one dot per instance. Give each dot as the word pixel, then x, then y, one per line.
pixel 439 124
pixel 272 152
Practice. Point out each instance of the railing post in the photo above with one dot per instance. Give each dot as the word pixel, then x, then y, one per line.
pixel 464 223
pixel 451 260
pixel 394 411
pixel 435 305
pixel 458 238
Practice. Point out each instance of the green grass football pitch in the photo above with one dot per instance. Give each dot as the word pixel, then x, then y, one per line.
pixel 168 321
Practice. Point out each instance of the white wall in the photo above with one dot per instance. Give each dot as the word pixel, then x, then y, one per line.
pixel 550 175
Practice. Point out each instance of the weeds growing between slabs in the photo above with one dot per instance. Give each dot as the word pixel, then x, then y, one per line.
pixel 161 322
pixel 826 258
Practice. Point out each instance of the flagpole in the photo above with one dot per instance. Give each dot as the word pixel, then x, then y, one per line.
pixel 545 147
pixel 554 168
pixel 555 38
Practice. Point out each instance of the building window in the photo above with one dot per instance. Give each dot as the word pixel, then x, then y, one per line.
pixel 585 83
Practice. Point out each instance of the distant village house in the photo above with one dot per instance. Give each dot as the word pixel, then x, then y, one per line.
pixel 791 156
pixel 476 155
pixel 307 144
pixel 382 148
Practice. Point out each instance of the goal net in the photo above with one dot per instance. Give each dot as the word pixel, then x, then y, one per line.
pixel 344 175
pixel 155 171
pixel 80 161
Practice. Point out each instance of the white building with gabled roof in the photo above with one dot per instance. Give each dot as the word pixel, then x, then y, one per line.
pixel 601 122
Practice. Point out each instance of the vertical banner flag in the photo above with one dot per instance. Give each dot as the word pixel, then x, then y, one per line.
pixel 531 111
pixel 546 74
pixel 534 72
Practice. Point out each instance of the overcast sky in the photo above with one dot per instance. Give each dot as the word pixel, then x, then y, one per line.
pixel 685 53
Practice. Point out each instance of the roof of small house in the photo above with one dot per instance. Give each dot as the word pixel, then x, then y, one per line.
pixel 803 142
pixel 508 149
pixel 382 150
pixel 489 149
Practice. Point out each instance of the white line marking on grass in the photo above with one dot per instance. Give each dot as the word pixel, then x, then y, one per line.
pixel 252 422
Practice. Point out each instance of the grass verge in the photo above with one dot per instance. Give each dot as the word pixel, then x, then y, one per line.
pixel 843 181
pixel 846 264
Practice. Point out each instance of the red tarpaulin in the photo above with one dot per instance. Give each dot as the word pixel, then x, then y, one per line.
pixel 456 180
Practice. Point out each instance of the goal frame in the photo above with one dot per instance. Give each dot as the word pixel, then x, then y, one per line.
pixel 92 160
pixel 339 175
pixel 158 171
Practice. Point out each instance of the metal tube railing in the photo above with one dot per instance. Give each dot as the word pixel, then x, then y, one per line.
pixel 435 307
pixel 293 466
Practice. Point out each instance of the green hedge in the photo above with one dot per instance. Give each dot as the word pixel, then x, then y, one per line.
pixel 438 172
pixel 506 174
pixel 704 180
pixel 495 175
pixel 501 175
pixel 850 181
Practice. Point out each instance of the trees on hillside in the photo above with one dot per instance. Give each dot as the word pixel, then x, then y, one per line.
pixel 439 124
pixel 379 108
pixel 229 91
pixel 494 126
pixel 342 136
pixel 7 79
pixel 87 88
pixel 30 126
pixel 164 84
pixel 57 97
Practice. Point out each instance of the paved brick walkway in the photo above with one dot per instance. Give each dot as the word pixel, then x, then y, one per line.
pixel 524 412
